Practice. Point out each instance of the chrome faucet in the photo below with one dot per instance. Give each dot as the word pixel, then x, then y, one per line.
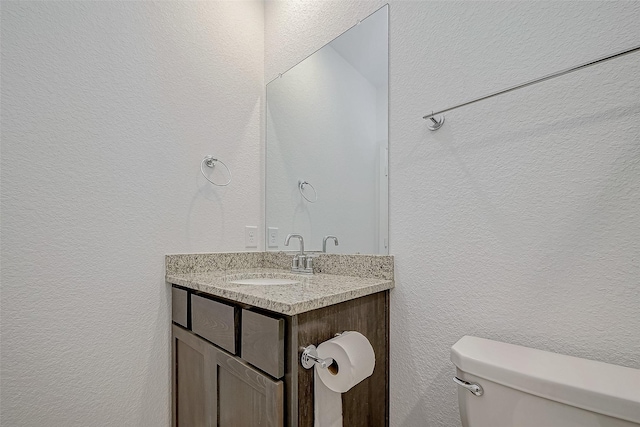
pixel 301 263
pixel 324 242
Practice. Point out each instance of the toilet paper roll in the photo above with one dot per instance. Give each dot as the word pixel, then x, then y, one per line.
pixel 327 404
pixel 354 360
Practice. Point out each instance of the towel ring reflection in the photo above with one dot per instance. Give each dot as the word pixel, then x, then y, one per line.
pixel 211 162
pixel 301 185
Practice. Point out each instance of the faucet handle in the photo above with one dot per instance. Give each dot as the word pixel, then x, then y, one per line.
pixel 300 263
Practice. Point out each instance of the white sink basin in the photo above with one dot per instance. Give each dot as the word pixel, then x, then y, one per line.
pixel 264 281
pixel 265 278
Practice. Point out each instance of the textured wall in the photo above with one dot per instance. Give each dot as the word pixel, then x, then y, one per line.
pixel 107 110
pixel 517 221
pixel 520 219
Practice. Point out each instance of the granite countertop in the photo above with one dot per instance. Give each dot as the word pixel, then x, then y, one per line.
pixel 210 273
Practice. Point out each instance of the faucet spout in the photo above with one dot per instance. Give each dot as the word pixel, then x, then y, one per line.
pixel 324 242
pixel 299 237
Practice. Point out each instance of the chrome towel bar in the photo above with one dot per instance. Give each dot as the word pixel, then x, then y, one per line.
pixel 436 123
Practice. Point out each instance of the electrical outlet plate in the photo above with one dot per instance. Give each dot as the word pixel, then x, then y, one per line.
pixel 251 236
pixel 272 237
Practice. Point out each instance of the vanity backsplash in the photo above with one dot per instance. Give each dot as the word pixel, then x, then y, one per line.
pixel 365 266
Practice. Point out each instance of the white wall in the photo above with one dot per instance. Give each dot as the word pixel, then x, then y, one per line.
pixel 107 110
pixel 332 145
pixel 520 219
pixel 517 221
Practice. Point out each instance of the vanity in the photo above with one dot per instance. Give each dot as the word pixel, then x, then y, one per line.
pixel 240 320
pixel 237 335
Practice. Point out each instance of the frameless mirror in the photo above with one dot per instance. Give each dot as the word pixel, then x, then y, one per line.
pixel 327 145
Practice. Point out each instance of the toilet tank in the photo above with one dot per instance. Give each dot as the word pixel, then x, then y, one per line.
pixel 525 387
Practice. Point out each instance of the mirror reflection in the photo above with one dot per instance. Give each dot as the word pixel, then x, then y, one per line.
pixel 327 145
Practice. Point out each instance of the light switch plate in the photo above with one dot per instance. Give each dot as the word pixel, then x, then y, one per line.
pixel 251 236
pixel 272 237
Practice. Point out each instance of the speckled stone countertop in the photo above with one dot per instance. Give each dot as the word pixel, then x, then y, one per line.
pixel 213 273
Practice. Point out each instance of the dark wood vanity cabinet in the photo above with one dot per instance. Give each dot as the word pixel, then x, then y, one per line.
pixel 214 388
pixel 235 365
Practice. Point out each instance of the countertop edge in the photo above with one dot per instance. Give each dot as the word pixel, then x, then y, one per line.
pixel 280 307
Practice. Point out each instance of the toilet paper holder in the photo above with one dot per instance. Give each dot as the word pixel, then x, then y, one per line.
pixel 309 357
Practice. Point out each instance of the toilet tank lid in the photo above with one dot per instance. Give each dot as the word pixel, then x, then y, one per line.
pixel 595 386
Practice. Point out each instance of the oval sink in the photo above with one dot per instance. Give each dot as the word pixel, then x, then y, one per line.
pixel 264 281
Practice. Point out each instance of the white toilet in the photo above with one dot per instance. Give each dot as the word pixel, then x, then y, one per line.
pixel 506 385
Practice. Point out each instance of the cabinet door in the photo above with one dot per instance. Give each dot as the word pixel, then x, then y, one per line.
pixel 193 380
pixel 214 388
pixel 247 397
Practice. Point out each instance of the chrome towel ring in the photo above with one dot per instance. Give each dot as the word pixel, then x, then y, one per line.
pixel 301 185
pixel 211 162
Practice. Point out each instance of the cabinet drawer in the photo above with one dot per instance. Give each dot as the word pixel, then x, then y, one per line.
pixel 215 321
pixel 179 300
pixel 263 342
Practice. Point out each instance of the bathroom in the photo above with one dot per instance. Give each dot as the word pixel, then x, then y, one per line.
pixel 517 221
